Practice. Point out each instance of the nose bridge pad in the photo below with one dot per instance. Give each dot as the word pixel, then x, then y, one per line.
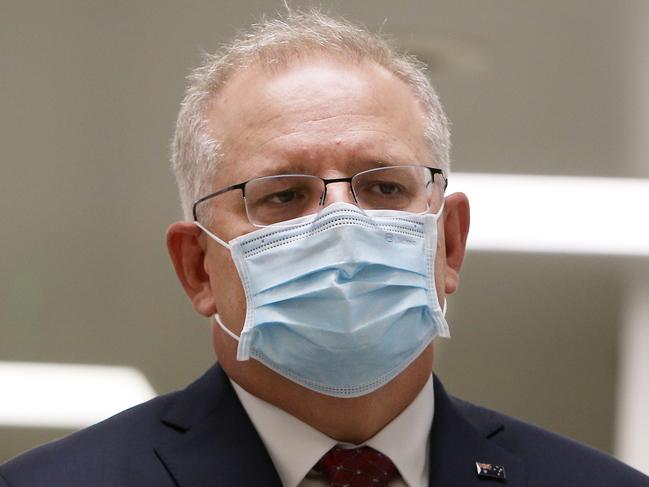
pixel 338 192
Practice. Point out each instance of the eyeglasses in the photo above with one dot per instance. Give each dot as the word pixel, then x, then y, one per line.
pixel 276 199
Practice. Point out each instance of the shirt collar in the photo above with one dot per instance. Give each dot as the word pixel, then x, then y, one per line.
pixel 404 440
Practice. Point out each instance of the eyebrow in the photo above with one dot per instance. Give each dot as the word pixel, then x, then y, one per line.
pixel 286 167
pixel 299 167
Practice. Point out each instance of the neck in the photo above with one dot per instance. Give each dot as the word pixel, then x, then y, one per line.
pixel 348 420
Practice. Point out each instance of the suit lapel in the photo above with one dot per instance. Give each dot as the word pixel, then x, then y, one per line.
pixel 456 445
pixel 216 444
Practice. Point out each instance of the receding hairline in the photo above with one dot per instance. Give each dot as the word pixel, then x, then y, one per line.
pixel 263 70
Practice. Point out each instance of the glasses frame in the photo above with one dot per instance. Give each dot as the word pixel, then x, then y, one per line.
pixel 242 186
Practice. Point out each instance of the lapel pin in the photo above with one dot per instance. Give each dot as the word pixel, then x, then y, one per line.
pixel 491 471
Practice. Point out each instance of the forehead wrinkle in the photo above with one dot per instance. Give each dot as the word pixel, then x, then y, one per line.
pixel 308 127
pixel 311 154
pixel 351 141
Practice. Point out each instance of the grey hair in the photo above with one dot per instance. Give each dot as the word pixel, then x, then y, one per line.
pixel 273 43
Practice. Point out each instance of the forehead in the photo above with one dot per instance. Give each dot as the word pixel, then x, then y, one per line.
pixel 320 115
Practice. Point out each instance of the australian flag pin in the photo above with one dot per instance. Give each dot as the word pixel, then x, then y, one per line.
pixel 491 471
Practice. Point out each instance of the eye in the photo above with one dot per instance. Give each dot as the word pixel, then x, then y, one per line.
pixel 284 197
pixel 384 188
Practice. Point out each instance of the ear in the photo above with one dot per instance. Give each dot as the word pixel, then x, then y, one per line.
pixel 187 253
pixel 456 230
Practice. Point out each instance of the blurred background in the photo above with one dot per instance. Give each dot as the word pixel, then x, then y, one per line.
pixel 89 92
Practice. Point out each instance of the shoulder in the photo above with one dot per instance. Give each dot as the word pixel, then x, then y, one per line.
pixel 123 450
pixel 92 456
pixel 550 459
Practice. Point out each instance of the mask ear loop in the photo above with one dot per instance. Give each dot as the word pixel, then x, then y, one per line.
pixel 217 318
pixel 243 350
pixel 437 217
pixel 212 236
pixel 440 211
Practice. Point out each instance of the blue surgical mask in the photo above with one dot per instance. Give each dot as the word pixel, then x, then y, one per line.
pixel 340 302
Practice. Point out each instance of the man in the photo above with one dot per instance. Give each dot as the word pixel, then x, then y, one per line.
pixel 312 162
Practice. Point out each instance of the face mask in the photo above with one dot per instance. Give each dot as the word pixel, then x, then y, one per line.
pixel 340 302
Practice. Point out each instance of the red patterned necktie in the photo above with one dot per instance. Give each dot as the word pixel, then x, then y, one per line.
pixel 356 467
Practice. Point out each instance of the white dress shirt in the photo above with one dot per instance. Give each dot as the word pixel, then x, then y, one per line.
pixel 295 447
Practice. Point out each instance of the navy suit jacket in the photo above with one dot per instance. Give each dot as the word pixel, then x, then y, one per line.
pixel 202 436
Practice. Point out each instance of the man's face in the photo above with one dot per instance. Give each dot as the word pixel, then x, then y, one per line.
pixel 321 116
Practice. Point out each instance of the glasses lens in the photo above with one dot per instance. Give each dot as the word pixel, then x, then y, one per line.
pixel 276 199
pixel 404 188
